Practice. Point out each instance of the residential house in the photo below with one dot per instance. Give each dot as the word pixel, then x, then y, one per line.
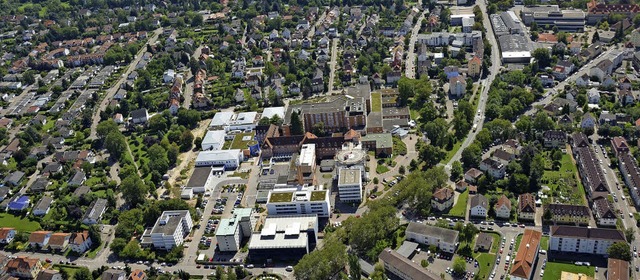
pixel 139 116
pixel 503 207
pixel 526 207
pixel 457 86
pixel 583 81
pixel 565 121
pixel 59 241
pixel 78 178
pixel 95 211
pixel 137 275
pixel 15 178
pixel 49 275
pixel 554 138
pixel 483 242
pixel 617 269
pixel 495 168
pixel 593 96
pixel 604 67
pixel 394 75
pixel 588 121
pixel 461 185
pixel 42 207
pixel 113 274
pixel 442 199
pixel 23 267
pixel 479 206
pixel 80 242
pixel 625 97
pixel 19 203
pixel 7 235
pixel 472 175
pixel 317 82
pixel 39 239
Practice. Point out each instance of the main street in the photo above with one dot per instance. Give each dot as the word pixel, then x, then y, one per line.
pixel 486 83
pixel 410 70
pixel 112 91
pixel 333 64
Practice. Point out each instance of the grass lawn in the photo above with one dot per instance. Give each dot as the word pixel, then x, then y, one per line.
pixel 376 102
pixel 517 245
pixel 553 270
pixel 565 187
pixel 544 243
pixel 70 270
pixel 460 208
pixel 399 147
pixel 238 143
pixel 281 197
pixel 381 168
pixel 496 242
pixel 485 263
pixel 8 220
pixel 453 151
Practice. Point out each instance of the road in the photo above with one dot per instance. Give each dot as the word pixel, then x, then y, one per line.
pixel 332 63
pixel 188 89
pixel 486 83
pixel 112 91
pixel 312 30
pixel 410 68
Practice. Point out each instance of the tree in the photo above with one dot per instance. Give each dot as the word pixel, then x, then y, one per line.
pixel 104 128
pixel 401 169
pixel 94 234
pixel 186 140
pixel 405 90
pixel 134 190
pixel 83 274
pixel 431 154
pixel 471 156
pixel 354 267
pixel 630 234
pixel 322 263
pixel 158 123
pixel 459 265
pixel 296 124
pixel 189 118
pixel 456 170
pixel 543 57
pixel 619 250
pixel 116 144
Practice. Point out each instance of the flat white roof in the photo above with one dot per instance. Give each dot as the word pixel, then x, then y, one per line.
pixel 283 228
pixel 516 54
pixel 272 111
pixel 214 137
pixel 307 154
pixel 219 155
pixel 222 118
pixel 245 118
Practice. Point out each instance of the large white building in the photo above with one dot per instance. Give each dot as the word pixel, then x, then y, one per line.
pixel 583 240
pixel 285 237
pixel 169 230
pixel 229 159
pixel 231 121
pixel 300 200
pixel 213 140
pixel 445 239
pixel 232 231
pixel 350 184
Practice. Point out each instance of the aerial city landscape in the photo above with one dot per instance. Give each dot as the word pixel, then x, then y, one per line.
pixel 354 139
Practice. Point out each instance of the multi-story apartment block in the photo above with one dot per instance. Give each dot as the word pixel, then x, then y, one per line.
pixel 445 239
pixel 583 240
pixel 569 214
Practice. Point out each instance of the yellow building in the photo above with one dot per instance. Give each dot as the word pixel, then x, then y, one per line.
pixel 474 66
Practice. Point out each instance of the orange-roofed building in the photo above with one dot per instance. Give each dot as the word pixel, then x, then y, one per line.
pixel 522 267
pixel 23 267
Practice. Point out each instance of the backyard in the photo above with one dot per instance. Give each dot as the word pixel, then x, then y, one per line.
pixel 460 208
pixel 485 263
pixel 564 187
pixel 20 224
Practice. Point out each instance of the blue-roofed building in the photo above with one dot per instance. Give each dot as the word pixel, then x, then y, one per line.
pixel 19 204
